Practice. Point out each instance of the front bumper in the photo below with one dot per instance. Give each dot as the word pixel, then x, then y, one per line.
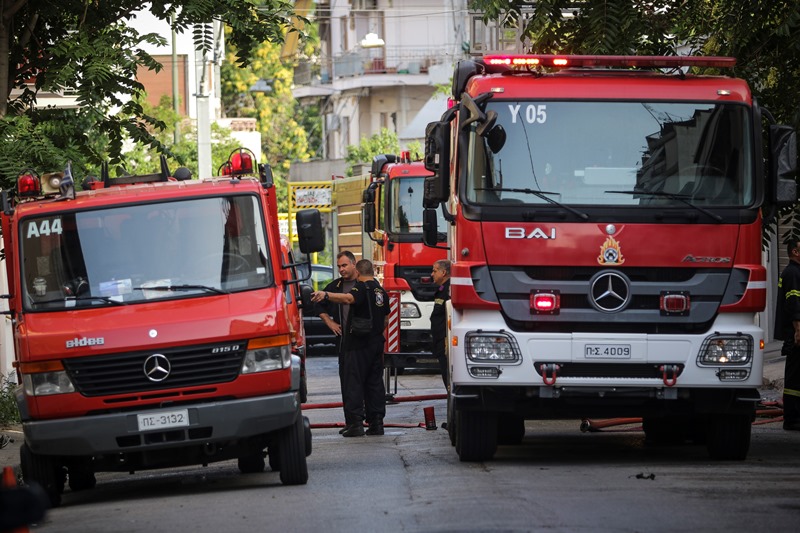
pixel 213 422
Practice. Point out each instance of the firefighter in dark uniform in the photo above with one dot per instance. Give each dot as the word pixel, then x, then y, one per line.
pixel 441 276
pixel 363 392
pixel 335 316
pixel 787 329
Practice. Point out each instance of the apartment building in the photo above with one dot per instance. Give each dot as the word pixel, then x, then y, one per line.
pixel 378 66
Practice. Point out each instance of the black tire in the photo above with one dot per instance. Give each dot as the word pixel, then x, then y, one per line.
pixel 451 421
pixel 307 434
pixel 728 436
pixel 251 464
pixel 510 429
pixel 303 388
pixel 44 470
pixel 476 435
pixel 292 456
pixel 81 474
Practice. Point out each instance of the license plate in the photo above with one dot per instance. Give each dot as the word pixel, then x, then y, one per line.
pixel 163 419
pixel 607 351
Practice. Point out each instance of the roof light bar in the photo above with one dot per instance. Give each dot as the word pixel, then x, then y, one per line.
pixel 544 60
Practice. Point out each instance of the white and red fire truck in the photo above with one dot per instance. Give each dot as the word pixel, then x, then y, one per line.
pixel 151 325
pixel 605 228
pixel 392 220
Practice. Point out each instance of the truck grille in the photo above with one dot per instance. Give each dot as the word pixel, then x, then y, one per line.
pixel 124 373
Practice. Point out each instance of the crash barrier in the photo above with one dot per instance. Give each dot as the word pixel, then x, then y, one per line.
pixel 767 413
pixel 430 416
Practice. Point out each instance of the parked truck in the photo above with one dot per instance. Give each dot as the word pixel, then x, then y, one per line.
pixel 392 221
pixel 605 227
pixel 151 325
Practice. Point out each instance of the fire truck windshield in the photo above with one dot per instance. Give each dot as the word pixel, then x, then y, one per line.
pixel 406 205
pixel 137 253
pixel 627 154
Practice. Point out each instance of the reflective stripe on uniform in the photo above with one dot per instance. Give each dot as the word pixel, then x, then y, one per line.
pixel 791 392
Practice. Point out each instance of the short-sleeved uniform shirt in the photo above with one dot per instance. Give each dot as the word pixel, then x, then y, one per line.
pixel 368 293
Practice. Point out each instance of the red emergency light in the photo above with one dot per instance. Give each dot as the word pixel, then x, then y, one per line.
pixel 547 60
pixel 241 162
pixel 29 184
pixel 545 302
pixel 674 303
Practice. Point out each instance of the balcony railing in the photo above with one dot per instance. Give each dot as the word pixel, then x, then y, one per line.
pixel 389 60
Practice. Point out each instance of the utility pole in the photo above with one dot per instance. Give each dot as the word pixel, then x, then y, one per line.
pixel 175 91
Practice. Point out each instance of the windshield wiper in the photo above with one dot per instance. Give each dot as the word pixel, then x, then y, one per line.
pixel 66 299
pixel 542 195
pixel 677 197
pixel 182 288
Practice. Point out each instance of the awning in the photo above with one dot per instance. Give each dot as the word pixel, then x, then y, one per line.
pixel 430 112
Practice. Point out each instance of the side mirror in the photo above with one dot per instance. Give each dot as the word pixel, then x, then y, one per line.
pixel 437 160
pixel 305 296
pixel 309 231
pixel 368 217
pixel 380 161
pixel 783 165
pixel 430 231
pixel 265 175
pixel 496 138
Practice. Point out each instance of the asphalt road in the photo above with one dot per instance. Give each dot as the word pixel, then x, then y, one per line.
pixel 559 479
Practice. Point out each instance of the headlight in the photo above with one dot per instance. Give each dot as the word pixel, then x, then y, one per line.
pixel 726 350
pixel 492 347
pixel 47 383
pixel 409 310
pixel 264 355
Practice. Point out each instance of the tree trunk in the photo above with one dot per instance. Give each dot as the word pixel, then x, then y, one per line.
pixel 5 68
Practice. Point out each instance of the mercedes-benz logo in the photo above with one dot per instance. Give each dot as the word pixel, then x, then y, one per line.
pixel 609 291
pixel 157 367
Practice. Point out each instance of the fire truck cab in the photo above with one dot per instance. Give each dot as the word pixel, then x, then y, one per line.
pixel 151 326
pixel 605 230
pixel 392 220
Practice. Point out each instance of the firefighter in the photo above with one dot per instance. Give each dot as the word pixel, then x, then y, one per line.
pixel 335 316
pixel 363 392
pixel 441 276
pixel 787 329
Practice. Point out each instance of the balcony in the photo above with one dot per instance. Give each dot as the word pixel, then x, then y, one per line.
pixel 388 60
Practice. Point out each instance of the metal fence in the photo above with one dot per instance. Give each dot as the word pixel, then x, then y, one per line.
pixel 400 60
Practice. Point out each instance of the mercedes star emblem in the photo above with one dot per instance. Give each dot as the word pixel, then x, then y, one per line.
pixel 156 367
pixel 609 292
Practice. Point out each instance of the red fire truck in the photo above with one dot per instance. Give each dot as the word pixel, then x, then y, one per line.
pixel 393 205
pixel 605 228
pixel 151 326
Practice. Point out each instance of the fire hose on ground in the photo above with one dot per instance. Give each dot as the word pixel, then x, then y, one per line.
pixel 430 417
pixel 767 413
